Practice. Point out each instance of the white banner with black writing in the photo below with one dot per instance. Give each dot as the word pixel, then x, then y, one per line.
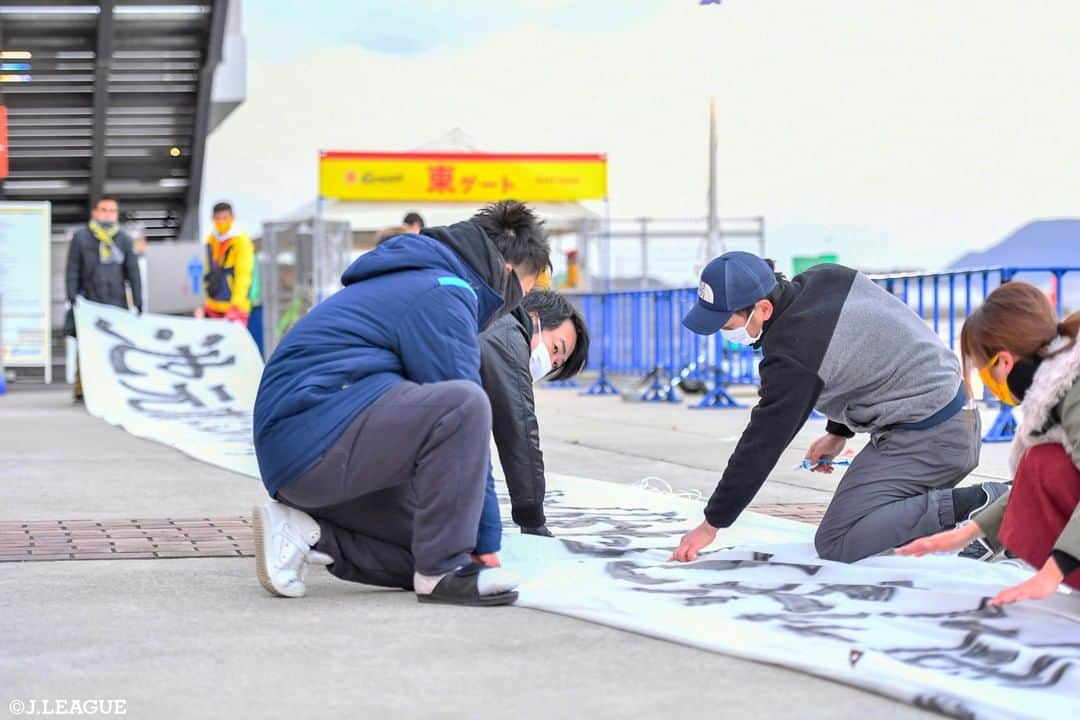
pixel 184 382
pixel 917 629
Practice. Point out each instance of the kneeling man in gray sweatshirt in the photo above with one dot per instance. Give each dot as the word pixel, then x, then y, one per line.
pixel 834 340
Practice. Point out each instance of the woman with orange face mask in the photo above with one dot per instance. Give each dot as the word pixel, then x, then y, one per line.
pixel 1025 356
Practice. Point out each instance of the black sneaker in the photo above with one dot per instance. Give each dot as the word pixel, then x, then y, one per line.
pixel 981 549
pixel 978 550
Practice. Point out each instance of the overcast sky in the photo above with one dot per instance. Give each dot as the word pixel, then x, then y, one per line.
pixel 894 133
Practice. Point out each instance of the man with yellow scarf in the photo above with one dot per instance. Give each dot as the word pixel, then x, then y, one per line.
pixel 230 264
pixel 102 266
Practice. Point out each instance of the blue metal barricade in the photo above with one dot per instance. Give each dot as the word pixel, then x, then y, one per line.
pixel 639 333
pixel 966 289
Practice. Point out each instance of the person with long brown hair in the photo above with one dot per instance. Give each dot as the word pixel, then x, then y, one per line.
pixel 1025 356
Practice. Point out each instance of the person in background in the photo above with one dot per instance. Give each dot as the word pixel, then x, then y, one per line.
pixel 391 232
pixel 1026 357
pixel 371 428
pixel 834 340
pixel 544 339
pixel 573 272
pixel 413 223
pixel 230 266
pixel 255 319
pixel 101 267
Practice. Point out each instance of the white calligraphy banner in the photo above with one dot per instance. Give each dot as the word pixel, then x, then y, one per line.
pixel 180 381
pixel 916 629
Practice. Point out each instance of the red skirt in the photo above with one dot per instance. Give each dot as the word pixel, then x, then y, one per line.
pixel 1045 493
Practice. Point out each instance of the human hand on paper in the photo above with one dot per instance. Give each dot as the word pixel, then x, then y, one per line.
pixel 953 540
pixel 1041 585
pixel 693 541
pixel 199 313
pixel 825 447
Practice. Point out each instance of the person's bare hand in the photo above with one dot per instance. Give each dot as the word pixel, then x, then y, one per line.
pixel 489 559
pixel 199 313
pixel 1041 585
pixel 949 541
pixel 826 447
pixel 693 541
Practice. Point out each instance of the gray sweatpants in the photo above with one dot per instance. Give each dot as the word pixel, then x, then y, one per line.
pixel 899 488
pixel 403 487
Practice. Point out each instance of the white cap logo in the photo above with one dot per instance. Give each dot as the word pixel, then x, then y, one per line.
pixel 705 292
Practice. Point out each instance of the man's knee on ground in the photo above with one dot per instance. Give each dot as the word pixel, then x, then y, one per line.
pixel 830 546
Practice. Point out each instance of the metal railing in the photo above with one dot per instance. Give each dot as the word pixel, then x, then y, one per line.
pixel 639 333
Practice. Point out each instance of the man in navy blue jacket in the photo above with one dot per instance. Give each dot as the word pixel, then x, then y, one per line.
pixel 372 430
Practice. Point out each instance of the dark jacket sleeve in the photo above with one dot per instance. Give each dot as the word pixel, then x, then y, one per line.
pixel 787 396
pixel 74 268
pixel 504 371
pixel 131 273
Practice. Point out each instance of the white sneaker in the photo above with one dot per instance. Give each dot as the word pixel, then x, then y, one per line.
pixel 284 537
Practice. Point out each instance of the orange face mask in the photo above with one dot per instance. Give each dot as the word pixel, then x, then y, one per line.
pixel 998 389
pixel 222 226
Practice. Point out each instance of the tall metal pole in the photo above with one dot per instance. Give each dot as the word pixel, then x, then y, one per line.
pixel 318 245
pixel 584 283
pixel 605 253
pixel 713 221
pixel 644 253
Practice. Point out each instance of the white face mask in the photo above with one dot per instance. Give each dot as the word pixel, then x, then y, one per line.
pixel 540 360
pixel 741 335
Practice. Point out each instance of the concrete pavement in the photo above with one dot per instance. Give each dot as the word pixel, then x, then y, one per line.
pixel 199 637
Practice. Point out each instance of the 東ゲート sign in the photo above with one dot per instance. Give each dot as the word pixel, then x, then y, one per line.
pixel 461 177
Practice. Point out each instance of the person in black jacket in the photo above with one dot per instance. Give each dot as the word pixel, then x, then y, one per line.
pixel 543 339
pixel 102 264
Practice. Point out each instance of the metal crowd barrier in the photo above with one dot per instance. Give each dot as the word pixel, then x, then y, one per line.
pixel 638 337
pixel 944 300
pixel 639 334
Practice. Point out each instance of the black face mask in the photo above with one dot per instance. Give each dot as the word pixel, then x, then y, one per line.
pixel 1021 376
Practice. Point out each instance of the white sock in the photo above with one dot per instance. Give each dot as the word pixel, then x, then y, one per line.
pixel 424 584
pixel 491 581
pixel 496 580
pixel 314 557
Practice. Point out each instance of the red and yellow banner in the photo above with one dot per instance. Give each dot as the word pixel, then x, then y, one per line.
pixel 461 177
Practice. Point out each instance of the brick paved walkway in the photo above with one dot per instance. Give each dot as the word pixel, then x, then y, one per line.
pixel 151 539
pixel 125 539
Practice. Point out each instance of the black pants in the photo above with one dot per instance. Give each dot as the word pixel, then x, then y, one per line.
pixel 403 487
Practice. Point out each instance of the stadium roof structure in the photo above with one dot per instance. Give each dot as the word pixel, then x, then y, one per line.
pixel 117 98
